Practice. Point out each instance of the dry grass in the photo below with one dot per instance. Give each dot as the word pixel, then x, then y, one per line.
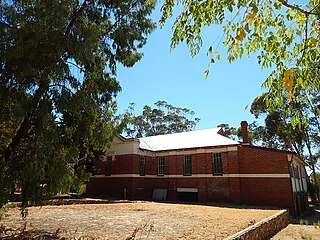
pixel 298 232
pixel 307 228
pixel 136 220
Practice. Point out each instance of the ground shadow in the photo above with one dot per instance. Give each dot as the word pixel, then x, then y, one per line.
pixel 22 234
pixel 310 217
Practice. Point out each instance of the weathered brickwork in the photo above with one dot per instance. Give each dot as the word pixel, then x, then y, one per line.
pixel 267 191
pixel 262 160
pixel 251 176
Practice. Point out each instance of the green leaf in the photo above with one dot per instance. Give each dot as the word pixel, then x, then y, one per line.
pixel 272 31
pixel 206 73
pixel 217 56
pixel 210 50
pixel 58 64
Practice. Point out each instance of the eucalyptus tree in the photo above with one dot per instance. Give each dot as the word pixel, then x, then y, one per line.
pixel 256 133
pixel 58 62
pixel 163 119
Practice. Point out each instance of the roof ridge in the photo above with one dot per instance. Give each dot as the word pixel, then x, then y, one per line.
pixel 191 139
pixel 198 130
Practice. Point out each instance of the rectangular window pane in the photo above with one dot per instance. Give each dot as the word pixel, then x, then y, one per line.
pixel 187 166
pixel 161 166
pixel 142 164
pixel 108 169
pixel 217 164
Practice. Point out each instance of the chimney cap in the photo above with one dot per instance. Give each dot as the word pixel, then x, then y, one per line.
pixel 244 133
pixel 244 123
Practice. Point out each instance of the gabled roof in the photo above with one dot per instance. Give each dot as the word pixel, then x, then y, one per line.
pixel 194 139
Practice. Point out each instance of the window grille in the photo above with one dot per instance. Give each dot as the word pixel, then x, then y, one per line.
pixel 217 164
pixel 187 165
pixel 161 166
pixel 142 164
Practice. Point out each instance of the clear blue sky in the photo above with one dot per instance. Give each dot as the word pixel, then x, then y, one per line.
pixel 178 78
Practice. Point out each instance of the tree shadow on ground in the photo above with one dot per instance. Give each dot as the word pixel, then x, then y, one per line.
pixel 310 217
pixel 21 234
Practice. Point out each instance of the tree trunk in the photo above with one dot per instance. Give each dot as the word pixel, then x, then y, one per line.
pixel 25 125
pixel 44 84
pixel 316 184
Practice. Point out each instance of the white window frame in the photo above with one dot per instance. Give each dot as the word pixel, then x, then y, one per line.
pixel 161 164
pixel 187 165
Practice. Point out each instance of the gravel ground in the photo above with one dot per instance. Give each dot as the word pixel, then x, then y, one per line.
pixel 306 228
pixel 297 232
pixel 150 220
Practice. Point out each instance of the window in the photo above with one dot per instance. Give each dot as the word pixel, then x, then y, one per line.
pixel 187 166
pixel 217 163
pixel 295 171
pixel 142 164
pixel 108 169
pixel 161 166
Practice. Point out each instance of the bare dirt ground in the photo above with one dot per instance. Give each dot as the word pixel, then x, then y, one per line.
pixel 150 220
pixel 297 232
pixel 306 228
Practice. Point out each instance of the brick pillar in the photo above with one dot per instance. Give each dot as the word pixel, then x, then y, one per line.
pixel 234 182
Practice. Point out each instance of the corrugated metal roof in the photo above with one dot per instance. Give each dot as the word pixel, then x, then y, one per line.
pixel 193 139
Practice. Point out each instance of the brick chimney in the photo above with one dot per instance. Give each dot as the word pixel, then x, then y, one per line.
pixel 244 133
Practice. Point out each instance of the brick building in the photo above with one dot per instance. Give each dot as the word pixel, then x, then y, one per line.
pixel 204 166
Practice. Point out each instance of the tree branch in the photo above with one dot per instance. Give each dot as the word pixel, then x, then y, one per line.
pixel 75 15
pixel 25 125
pixel 7 25
pixel 77 66
pixel 306 38
pixel 43 87
pixel 295 7
pixel 61 86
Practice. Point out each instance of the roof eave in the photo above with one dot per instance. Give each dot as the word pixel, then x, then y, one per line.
pixel 188 149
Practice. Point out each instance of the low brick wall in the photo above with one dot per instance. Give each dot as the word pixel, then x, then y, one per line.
pixel 263 229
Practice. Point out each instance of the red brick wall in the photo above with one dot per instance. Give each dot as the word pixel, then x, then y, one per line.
pixel 265 191
pixel 239 190
pixel 201 164
pixel 214 190
pixel 232 165
pixel 235 190
pixel 262 160
pixel 209 189
pixel 123 164
pixel 110 187
pixel 142 188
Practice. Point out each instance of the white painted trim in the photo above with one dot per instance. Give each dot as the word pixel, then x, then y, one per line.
pixel 234 175
pixel 187 151
pixel 187 190
pixel 232 149
pixel 173 153
pixel 296 160
pixel 252 175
